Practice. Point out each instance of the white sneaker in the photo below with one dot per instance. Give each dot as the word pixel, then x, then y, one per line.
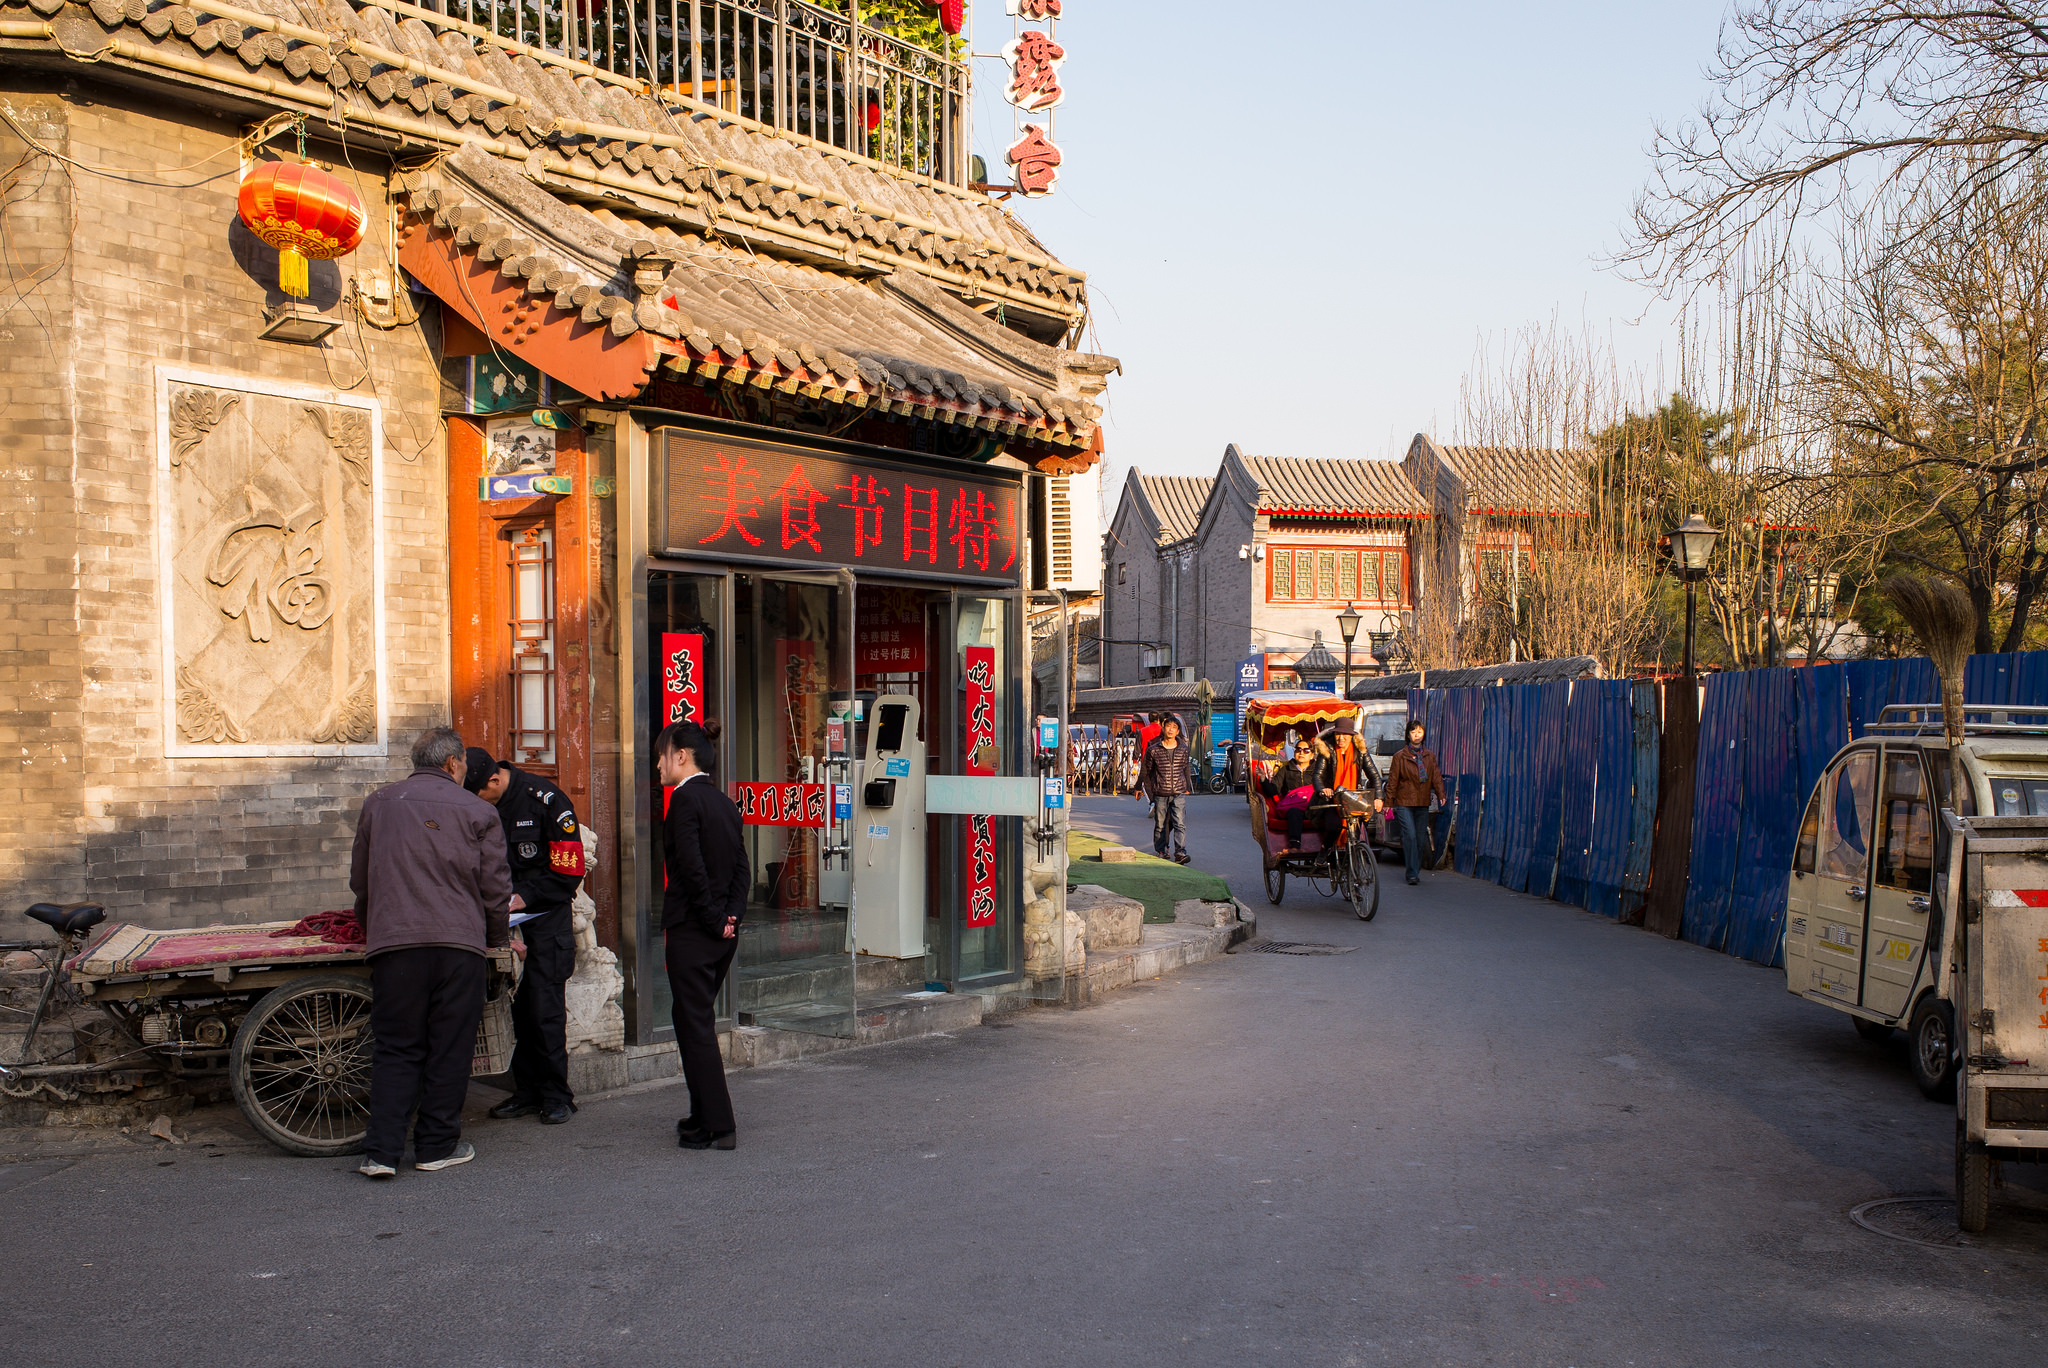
pixel 464 1152
pixel 370 1168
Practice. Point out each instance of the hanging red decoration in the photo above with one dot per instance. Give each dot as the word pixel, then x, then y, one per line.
pixel 952 15
pixel 874 116
pixel 304 212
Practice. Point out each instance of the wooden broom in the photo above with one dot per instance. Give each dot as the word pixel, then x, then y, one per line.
pixel 1940 616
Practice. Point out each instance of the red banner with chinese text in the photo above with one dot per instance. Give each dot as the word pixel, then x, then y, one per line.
pixel 981 758
pixel 782 805
pixel 682 677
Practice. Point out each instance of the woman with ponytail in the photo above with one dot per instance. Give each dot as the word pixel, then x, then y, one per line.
pixel 708 878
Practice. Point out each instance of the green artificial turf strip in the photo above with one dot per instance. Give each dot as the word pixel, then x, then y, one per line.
pixel 1157 883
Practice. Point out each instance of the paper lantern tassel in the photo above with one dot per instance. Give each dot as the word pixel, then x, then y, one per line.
pixel 294 274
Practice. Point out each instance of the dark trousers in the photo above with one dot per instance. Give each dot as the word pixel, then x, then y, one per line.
pixel 1418 838
pixel 540 1015
pixel 1170 813
pixel 697 965
pixel 1327 822
pixel 427 1000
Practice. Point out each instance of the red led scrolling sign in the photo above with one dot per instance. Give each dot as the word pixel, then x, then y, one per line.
pixel 751 501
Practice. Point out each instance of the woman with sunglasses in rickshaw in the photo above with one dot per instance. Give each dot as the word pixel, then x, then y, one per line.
pixel 1302 788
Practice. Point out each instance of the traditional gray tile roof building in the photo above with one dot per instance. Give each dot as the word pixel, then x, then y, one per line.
pixel 1281 545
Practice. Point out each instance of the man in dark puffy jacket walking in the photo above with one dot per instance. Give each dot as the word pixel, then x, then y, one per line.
pixel 1166 777
pixel 432 893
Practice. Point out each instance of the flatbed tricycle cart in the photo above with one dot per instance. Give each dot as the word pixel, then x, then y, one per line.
pixel 281 1008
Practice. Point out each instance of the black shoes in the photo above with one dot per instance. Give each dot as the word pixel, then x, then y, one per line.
pixel 1183 858
pixel 1412 879
pixel 691 1135
pixel 550 1113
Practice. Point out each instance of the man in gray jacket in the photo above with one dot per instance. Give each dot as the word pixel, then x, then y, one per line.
pixel 432 892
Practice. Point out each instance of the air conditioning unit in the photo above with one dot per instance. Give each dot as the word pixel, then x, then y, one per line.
pixel 1156 657
pixel 1184 674
pixel 1066 516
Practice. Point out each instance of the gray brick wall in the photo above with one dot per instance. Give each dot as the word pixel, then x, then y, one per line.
pixel 158 272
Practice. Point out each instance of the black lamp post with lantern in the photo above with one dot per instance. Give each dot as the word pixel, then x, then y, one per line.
pixel 1347 626
pixel 1692 547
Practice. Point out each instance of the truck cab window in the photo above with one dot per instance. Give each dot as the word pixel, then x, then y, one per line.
pixel 1845 843
pixel 1809 836
pixel 1905 853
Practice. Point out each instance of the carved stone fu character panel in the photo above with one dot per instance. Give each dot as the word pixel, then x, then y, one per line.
pixel 271 544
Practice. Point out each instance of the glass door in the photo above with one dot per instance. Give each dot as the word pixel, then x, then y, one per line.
pixel 792 680
pixel 987 851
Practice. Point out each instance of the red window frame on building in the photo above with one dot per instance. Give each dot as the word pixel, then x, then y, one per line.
pixel 1342 575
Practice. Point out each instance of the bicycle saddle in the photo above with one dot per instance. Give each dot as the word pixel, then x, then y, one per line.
pixel 70 918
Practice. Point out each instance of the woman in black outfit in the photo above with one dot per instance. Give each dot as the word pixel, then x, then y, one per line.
pixel 1309 767
pixel 708 878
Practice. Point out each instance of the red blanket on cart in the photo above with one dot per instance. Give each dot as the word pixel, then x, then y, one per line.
pixel 125 948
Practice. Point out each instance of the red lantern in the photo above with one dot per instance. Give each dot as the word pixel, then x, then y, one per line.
pixel 952 14
pixel 874 114
pixel 303 212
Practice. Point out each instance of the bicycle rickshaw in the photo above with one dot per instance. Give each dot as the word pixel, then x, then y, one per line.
pixel 282 1009
pixel 1346 868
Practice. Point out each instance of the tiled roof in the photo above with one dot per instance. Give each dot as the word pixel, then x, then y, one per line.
pixel 1178 500
pixel 902 344
pixel 1360 488
pixel 1520 479
pixel 376 66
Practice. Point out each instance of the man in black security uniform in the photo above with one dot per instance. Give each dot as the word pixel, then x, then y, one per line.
pixel 544 846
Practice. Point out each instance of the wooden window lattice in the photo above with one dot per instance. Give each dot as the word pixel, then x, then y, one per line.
pixel 532 667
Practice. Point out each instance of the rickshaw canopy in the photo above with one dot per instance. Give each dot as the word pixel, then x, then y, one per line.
pixel 1284 709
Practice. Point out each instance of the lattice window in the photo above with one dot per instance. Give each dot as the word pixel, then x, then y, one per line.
pixel 1060 529
pixel 1283 574
pixel 532 674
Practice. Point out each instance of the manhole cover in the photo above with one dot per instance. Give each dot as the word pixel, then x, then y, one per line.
pixel 1273 947
pixel 1915 1220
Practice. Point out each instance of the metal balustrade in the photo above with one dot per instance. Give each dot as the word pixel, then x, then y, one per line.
pixel 812 69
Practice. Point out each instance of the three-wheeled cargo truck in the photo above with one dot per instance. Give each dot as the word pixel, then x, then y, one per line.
pixel 1918 903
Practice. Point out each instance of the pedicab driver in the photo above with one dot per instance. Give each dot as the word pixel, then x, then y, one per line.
pixel 544 848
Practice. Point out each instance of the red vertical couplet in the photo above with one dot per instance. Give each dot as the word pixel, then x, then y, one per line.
pixel 682 684
pixel 980 662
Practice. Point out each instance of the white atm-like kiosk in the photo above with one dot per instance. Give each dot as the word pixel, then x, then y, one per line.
pixel 888 833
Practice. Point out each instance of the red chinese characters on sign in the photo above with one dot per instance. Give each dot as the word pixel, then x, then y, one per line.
pixel 754 501
pixel 782 805
pixel 979 669
pixel 1041 10
pixel 1034 60
pixel 729 486
pixel 1036 161
pixel 888 631
pixel 682 677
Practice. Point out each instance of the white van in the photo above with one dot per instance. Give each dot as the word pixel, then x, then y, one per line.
pixel 1867 897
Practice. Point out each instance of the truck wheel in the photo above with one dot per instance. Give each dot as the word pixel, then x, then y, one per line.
pixel 1930 1047
pixel 1876 1032
pixel 1973 1183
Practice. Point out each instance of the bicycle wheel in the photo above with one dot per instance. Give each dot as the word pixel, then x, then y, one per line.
pixel 1276 885
pixel 1365 878
pixel 301 1065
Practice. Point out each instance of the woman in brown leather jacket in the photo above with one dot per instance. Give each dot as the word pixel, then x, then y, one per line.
pixel 1413 781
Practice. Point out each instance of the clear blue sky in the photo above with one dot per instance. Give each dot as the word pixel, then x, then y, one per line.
pixel 1300 222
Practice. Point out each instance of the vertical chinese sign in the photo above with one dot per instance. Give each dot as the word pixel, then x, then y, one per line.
pixel 980 742
pixel 799 733
pixel 682 684
pixel 1034 59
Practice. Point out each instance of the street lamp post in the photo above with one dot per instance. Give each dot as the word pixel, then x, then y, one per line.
pixel 1347 625
pixel 1692 545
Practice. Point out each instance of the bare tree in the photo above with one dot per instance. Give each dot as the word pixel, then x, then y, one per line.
pixel 1825 104
pixel 1926 359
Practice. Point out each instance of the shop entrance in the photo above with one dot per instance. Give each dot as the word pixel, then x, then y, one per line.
pixel 791 666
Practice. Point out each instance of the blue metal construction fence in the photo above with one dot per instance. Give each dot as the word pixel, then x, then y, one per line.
pixel 1553 787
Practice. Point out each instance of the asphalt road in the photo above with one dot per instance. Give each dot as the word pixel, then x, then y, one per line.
pixel 1497 1131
